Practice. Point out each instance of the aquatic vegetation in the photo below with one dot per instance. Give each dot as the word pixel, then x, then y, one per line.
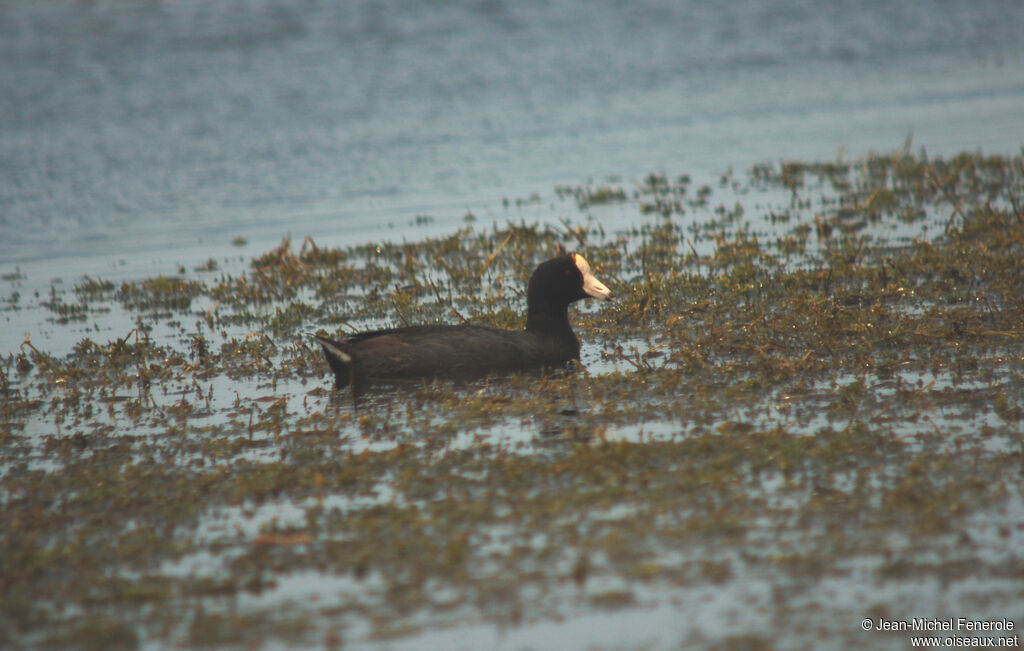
pixel 815 389
pixel 160 293
pixel 587 196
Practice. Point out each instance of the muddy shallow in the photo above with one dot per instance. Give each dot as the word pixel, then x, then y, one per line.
pixel 803 411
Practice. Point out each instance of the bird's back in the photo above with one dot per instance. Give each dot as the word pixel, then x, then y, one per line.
pixel 442 351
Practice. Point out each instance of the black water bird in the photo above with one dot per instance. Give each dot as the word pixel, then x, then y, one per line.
pixel 464 351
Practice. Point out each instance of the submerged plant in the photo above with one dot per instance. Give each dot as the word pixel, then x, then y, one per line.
pixel 779 394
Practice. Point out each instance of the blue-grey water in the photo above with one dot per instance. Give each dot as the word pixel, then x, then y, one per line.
pixel 154 126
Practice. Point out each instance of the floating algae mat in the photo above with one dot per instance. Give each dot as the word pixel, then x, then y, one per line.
pixel 803 411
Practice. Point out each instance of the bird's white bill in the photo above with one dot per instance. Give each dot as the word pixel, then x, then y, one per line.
pixel 591 285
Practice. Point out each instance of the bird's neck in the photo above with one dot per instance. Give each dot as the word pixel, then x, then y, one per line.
pixel 550 322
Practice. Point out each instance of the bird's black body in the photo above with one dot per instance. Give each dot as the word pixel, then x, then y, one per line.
pixel 463 351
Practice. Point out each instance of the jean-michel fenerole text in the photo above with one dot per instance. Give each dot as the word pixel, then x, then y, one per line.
pixel 960 624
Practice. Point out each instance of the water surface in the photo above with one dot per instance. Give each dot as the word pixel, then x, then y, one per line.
pixel 157 126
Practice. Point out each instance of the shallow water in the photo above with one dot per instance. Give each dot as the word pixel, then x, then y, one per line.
pixel 140 139
pixel 166 127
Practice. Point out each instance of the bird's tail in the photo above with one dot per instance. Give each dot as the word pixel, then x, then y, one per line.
pixel 340 360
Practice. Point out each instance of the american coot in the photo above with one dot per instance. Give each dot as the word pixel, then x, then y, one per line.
pixel 467 350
